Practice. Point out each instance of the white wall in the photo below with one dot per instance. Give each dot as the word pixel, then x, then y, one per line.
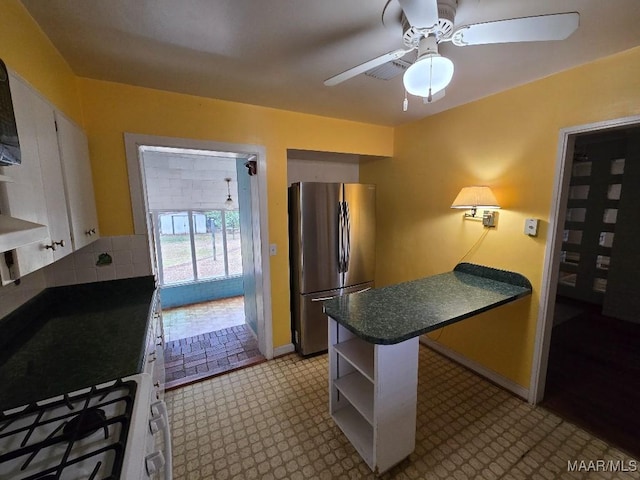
pixel 339 170
pixel 182 181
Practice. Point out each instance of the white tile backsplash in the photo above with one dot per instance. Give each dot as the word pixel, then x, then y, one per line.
pixel 121 243
pixel 122 257
pixel 125 271
pixel 106 272
pixel 130 254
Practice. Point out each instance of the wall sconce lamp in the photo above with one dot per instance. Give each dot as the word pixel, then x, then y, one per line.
pixel 474 197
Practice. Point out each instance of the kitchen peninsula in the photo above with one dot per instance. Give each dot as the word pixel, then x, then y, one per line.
pixel 373 351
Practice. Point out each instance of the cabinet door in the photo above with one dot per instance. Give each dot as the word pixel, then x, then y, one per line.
pixel 56 201
pixel 24 197
pixel 76 169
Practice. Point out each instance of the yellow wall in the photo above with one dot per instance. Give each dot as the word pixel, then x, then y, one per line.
pixel 508 141
pixel 112 109
pixel 27 51
pixel 107 110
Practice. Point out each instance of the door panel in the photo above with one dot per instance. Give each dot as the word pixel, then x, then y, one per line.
pixel 247 246
pixel 313 216
pixel 361 200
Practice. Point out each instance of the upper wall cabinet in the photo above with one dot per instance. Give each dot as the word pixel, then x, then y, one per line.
pixel 52 186
pixel 23 197
pixel 51 168
pixel 81 204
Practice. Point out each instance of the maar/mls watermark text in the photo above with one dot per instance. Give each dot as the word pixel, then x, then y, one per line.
pixel 602 465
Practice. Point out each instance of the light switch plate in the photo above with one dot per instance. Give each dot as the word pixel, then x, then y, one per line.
pixel 531 227
pixel 273 249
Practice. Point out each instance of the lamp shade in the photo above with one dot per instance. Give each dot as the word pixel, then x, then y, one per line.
pixel 431 71
pixel 477 196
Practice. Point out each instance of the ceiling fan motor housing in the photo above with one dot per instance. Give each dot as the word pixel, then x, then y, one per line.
pixel 441 30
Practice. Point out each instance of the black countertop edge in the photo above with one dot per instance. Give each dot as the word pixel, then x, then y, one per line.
pixel 504 276
pixel 155 298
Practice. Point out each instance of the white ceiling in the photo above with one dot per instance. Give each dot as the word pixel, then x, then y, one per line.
pixel 277 53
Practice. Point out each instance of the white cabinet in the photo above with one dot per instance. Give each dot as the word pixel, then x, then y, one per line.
pixel 154 350
pixel 24 197
pixel 373 395
pixel 52 186
pixel 56 201
pixel 81 204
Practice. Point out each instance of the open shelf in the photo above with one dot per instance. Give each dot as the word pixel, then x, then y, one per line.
pixel 359 392
pixel 359 354
pixel 357 430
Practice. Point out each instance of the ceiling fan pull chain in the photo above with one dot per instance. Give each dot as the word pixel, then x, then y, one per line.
pixel 429 97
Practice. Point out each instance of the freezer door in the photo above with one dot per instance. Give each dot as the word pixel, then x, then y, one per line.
pixel 361 225
pixel 310 327
pixel 313 236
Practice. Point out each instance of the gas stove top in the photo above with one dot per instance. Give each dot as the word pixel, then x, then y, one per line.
pixel 76 436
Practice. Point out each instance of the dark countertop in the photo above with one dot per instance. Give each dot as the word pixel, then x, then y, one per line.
pixel 71 337
pixel 399 312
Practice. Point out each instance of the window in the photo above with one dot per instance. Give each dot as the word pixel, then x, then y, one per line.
pixel 197 245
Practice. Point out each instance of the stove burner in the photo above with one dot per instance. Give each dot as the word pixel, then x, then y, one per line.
pixel 55 431
pixel 85 423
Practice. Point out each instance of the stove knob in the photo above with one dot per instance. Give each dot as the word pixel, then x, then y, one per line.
pixel 154 463
pixel 157 423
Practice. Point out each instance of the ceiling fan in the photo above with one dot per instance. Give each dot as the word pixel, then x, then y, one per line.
pixel 426 23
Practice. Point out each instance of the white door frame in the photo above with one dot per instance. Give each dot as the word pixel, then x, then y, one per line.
pixel 137 189
pixel 554 245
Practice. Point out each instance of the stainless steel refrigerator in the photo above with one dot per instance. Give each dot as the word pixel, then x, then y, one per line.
pixel 332 252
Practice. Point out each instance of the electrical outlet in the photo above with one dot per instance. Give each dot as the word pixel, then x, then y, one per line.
pixel 531 227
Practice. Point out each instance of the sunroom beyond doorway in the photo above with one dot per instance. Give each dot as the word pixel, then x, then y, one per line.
pixel 192 203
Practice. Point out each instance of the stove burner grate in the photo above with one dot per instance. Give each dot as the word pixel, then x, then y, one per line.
pixel 69 421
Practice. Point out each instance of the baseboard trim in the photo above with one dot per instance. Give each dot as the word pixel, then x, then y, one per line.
pixel 283 350
pixel 489 374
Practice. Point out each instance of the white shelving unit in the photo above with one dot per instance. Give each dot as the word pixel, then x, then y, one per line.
pixel 373 395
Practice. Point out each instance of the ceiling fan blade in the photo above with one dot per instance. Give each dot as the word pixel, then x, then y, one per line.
pixel 363 67
pixel 526 29
pixel 420 13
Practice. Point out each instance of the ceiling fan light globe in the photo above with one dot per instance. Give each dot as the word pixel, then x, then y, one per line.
pixel 416 78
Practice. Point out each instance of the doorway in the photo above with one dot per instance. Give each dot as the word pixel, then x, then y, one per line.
pixel 211 233
pixel 586 360
pixel 194 204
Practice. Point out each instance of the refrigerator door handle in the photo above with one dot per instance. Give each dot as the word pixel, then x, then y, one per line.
pixel 343 246
pixel 322 299
pixel 347 253
pixel 363 290
pixel 340 228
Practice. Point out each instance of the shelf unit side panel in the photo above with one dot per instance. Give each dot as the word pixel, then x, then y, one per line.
pixel 395 402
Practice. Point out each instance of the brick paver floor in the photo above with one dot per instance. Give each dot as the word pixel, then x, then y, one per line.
pixel 192 359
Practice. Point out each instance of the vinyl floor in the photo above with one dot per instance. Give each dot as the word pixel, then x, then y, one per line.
pixel 271 421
